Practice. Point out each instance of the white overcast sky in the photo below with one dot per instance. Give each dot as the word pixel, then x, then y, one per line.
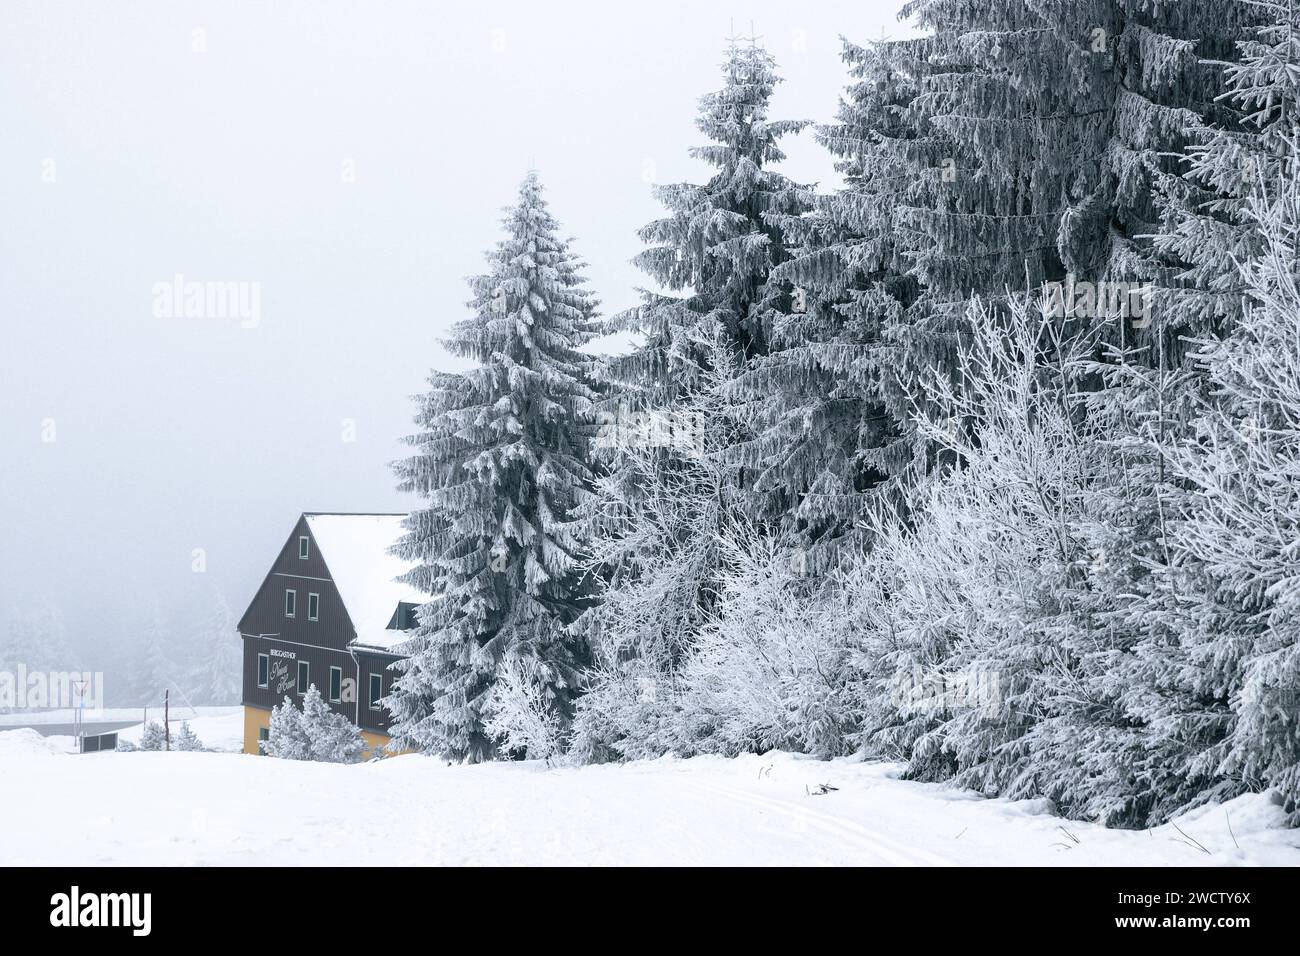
pixel 209 139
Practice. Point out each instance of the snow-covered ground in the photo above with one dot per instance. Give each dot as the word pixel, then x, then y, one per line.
pixel 223 808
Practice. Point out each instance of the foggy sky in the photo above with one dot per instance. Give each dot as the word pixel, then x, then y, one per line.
pixel 349 158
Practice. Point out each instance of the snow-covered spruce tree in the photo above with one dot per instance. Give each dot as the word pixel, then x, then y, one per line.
pixel 1243 520
pixel 313 733
pixel 961 152
pixel 713 253
pixel 331 737
pixel 1049 142
pixel 501 463
pixel 828 402
pixel 1013 101
pixel 1128 746
pixel 1171 632
pixel 1168 65
pixel 718 244
pixel 1238 149
pixel 1156 717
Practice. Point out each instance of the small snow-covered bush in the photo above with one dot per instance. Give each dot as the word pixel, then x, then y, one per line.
pixel 770 669
pixel 313 733
pixel 153 737
pixel 631 711
pixel 186 739
pixel 519 715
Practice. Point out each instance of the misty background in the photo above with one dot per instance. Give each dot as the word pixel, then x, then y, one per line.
pixel 349 158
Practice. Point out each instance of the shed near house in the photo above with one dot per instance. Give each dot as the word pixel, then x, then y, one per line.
pixel 331 613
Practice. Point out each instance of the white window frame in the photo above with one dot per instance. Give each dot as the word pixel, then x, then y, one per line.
pixel 313 598
pixel 260 659
pixel 290 602
pixel 299 682
pixel 304 547
pixel 336 698
pixel 372 700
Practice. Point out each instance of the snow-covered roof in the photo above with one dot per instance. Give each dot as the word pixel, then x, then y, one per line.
pixel 355 549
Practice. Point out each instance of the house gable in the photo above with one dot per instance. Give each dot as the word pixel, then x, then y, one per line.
pixel 304 576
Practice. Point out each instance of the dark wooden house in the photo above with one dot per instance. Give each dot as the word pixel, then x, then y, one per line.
pixel 330 613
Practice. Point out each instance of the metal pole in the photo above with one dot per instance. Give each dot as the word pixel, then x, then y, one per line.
pixel 167 727
pixel 78 716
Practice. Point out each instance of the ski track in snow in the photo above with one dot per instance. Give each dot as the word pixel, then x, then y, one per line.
pixel 877 847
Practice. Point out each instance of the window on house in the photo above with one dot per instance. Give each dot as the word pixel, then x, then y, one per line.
pixel 263 670
pixel 290 602
pixel 336 684
pixel 304 677
pixel 304 547
pixel 263 735
pixel 313 606
pixel 376 690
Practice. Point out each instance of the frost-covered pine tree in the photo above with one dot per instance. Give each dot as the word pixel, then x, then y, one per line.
pixel 500 463
pixel 1239 149
pixel 672 434
pixel 829 402
pixel 718 244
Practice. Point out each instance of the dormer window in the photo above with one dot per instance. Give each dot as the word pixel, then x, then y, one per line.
pixel 304 547
pixel 405 617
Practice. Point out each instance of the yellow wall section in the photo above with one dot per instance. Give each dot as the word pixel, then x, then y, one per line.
pixel 255 718
pixel 376 743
